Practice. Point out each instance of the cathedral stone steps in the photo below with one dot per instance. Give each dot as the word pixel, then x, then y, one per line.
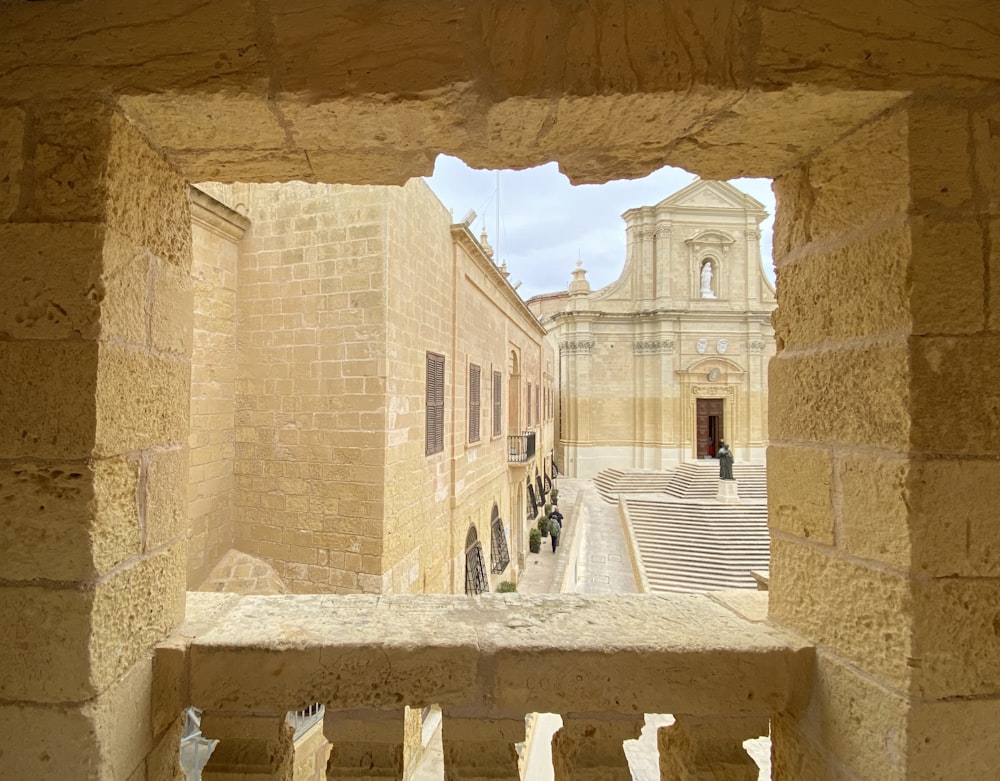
pixel 611 483
pixel 699 545
pixel 700 479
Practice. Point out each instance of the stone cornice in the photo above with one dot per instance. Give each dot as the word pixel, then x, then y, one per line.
pixel 463 236
pixel 215 216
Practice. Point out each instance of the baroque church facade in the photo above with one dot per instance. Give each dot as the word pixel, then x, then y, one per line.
pixel 670 359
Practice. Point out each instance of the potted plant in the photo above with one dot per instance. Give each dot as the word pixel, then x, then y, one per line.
pixel 535 540
pixel 543 525
pixel 507 586
pixel 554 495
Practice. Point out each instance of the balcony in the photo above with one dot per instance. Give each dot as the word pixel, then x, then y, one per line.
pixel 521 448
pixel 602 662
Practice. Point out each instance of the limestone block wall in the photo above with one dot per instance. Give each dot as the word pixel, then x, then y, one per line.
pixel 419 299
pixel 310 380
pixel 884 534
pixel 95 317
pixel 216 231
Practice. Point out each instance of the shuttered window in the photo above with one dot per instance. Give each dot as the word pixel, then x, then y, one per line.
pixel 474 400
pixel 497 403
pixel 538 396
pixel 529 405
pixel 434 435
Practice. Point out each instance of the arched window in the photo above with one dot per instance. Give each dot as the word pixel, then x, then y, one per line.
pixel 499 554
pixel 475 567
pixel 532 507
pixel 540 489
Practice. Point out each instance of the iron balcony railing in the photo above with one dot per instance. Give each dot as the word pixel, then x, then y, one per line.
pixel 521 447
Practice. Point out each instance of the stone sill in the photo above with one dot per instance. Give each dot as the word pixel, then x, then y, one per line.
pixel 498 655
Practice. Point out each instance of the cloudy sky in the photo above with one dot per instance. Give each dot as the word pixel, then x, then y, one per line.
pixel 546 223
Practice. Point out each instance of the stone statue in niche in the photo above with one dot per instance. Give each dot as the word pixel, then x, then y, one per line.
pixel 706 280
pixel 725 456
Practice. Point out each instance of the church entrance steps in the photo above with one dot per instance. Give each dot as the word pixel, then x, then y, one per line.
pixel 700 479
pixel 698 545
pixel 611 483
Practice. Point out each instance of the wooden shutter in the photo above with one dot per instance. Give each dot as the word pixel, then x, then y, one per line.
pixel 529 405
pixel 474 400
pixel 434 434
pixel 497 403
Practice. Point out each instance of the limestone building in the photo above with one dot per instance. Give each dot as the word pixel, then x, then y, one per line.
pixel 876 656
pixel 358 371
pixel 661 365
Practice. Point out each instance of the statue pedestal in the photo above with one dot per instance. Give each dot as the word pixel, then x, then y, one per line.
pixel 729 492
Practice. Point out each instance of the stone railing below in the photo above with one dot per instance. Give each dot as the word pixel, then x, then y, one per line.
pixel 601 661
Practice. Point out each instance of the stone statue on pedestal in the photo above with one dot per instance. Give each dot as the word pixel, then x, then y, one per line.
pixel 725 462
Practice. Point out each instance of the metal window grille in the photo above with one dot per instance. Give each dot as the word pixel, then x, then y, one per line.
pixel 499 554
pixel 476 581
pixel 548 484
pixel 540 488
pixel 497 403
pixel 434 434
pixel 474 399
pixel 532 502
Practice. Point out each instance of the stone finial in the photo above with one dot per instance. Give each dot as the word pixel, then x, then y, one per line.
pixel 484 242
pixel 579 286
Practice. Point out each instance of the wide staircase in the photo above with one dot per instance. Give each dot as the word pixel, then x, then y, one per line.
pixel 611 483
pixel 699 546
pixel 700 480
pixel 686 539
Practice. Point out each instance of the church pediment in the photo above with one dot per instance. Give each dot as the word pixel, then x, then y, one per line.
pixel 702 194
pixel 711 236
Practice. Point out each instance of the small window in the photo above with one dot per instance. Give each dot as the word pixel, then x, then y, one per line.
pixel 497 403
pixel 532 502
pixel 529 405
pixel 475 568
pixel 434 433
pixel 538 396
pixel 474 399
pixel 499 554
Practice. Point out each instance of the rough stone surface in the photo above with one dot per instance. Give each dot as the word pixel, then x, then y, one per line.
pixel 806 507
pixel 12 157
pixel 315 648
pixel 34 302
pixel 47 392
pixel 870 623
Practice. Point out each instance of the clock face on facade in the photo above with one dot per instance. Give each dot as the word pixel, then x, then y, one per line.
pixel 713 375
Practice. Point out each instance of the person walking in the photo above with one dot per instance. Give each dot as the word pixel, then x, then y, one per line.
pixel 555 528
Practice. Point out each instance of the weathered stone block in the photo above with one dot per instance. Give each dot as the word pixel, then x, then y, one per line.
pixel 47 655
pixel 864 615
pixel 805 507
pixel 955 649
pixel 875 508
pixel 125 282
pixel 166 501
pixel 953 529
pixel 11 159
pixel 954 407
pixel 143 400
pixel 938 145
pixel 49 743
pixel 851 291
pixel 133 610
pixel 938 744
pixel 69 161
pixel 49 286
pixel 47 393
pixel 946 278
pixel 850 395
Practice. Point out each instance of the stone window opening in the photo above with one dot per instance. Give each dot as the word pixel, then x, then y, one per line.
pixel 499 551
pixel 476 581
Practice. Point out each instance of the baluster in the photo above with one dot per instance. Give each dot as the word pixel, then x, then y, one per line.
pixel 251 746
pixel 705 748
pixel 365 744
pixel 480 748
pixel 589 748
